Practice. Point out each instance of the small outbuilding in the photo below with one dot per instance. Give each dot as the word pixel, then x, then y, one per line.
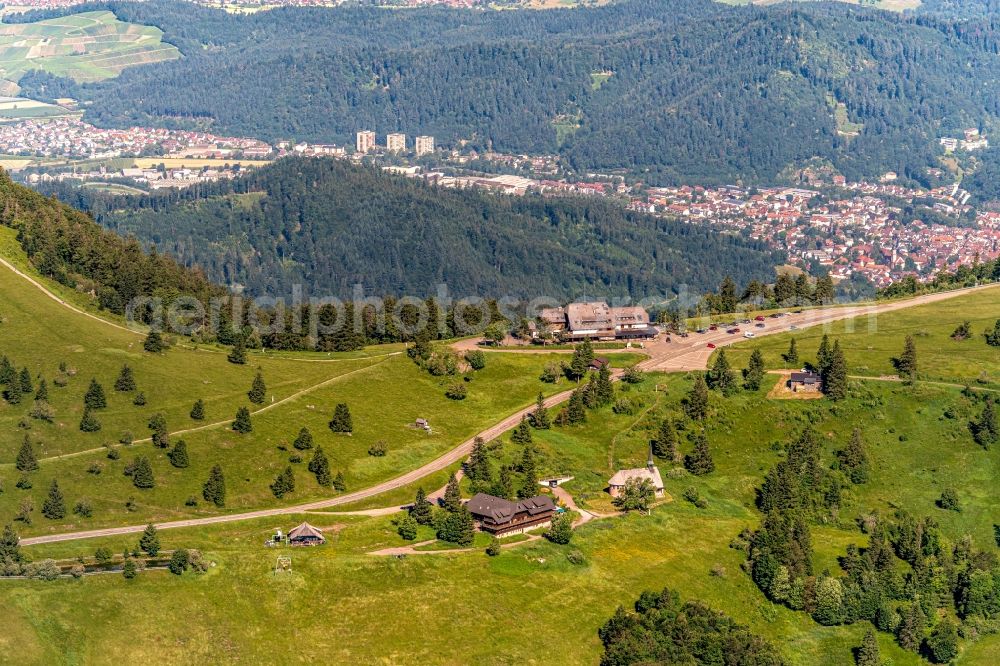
pixel 306 535
pixel 805 381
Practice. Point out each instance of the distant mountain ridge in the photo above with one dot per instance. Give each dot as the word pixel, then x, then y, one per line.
pixel 328 225
pixel 697 92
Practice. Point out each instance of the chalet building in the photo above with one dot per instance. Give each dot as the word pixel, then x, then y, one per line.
pixel 501 517
pixel 809 382
pixel 650 473
pixel 598 321
pixel 306 535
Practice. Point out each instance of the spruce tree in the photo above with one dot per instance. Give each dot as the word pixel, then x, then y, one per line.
pixel 198 410
pixel 26 460
pixel 238 355
pixel 320 466
pixel 25 381
pixel 504 485
pixel 477 468
pixel 179 455
pixel 605 390
pixel 540 417
pixel 284 483
pixel 338 482
pixel 942 644
pixel 529 484
pixel 699 461
pixel 129 569
pixel 241 423
pixel 95 398
pixel 664 445
pixel 791 357
pixel 985 429
pixel 906 364
pixel 910 630
pixel 341 421
pixel 304 440
pixel 13 393
pixel 823 354
pixel 7 373
pixel 214 490
pixel 126 381
pixel 158 424
pixel 835 377
pixel 10 545
pixel 54 507
pixel 154 342
pixel 42 394
pixel 258 390
pixel 407 528
pixel 721 377
pixel 140 399
pixel 421 510
pixel 89 422
pixel 696 403
pixel 753 376
pixel 522 433
pixel 576 411
pixel 149 542
pixel 142 473
pixel 452 499
pixel 854 459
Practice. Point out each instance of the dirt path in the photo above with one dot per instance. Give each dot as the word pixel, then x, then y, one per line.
pixel 690 355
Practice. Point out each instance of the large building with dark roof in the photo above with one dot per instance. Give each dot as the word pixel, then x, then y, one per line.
pixel 501 517
pixel 598 321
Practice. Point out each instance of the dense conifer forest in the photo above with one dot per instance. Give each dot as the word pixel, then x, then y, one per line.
pixel 681 90
pixel 328 225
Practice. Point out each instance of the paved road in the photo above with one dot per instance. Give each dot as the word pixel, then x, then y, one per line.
pixel 682 354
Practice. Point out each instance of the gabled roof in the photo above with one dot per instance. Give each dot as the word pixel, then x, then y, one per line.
pixel 624 475
pixel 805 377
pixel 305 531
pixel 500 510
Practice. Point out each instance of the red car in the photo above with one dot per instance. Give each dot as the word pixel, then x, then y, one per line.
pixel 759 317
pixel 713 327
pixel 711 345
pixel 733 330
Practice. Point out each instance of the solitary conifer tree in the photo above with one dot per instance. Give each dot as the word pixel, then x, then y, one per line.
pixel 835 377
pixel 95 398
pixel 179 455
pixel 854 459
pixel 421 509
pixel 42 394
pixel 54 507
pixel 792 355
pixel 149 542
pixel 214 490
pixel 142 473
pixel 13 393
pixel 89 422
pixel 140 399
pixel 906 364
pixel 529 485
pixel 126 381
pixel 154 342
pixel 721 377
pixel 823 354
pixel 7 373
pixel 242 422
pixel 665 443
pixel 320 466
pixel 26 460
pixel 304 440
pixel 258 390
pixel 522 433
pixel 284 483
pixel 753 376
pixel 576 411
pixel 238 355
pixel 700 461
pixel 198 410
pixel 452 500
pixel 25 380
pixel 540 417
pixel 478 466
pixel 341 421
pixel 696 404
pixel 338 482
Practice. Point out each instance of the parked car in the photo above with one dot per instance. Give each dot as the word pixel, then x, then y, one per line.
pixel 748 334
pixel 733 330
pixel 793 327
pixel 746 321
pixel 759 318
pixel 700 330
pixel 761 325
pixel 711 345
pixel 713 327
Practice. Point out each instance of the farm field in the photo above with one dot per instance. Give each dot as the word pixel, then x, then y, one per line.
pixel 13 109
pixel 85 47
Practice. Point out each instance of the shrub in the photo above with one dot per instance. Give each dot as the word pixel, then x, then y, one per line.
pixel 575 557
pixel 83 509
pixel 103 555
pixel 378 449
pixel 494 548
pixel 476 359
pixel 456 392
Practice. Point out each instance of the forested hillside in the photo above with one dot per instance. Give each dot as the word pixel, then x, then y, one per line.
pixel 68 246
pixel 697 90
pixel 329 225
